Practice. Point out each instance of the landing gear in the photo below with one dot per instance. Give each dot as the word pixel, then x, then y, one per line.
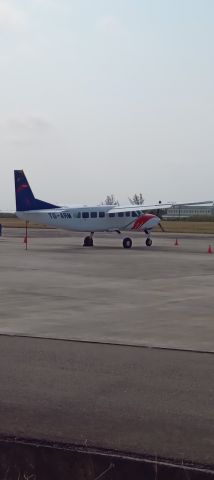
pixel 148 242
pixel 88 241
pixel 127 242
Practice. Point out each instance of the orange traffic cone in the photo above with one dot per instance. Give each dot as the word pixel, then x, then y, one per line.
pixel 176 242
pixel 209 249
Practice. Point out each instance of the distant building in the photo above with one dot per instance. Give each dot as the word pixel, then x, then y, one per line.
pixel 189 211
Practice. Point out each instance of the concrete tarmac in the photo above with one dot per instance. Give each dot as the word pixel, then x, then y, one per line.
pixel 153 401
pixel 135 400
pixel 161 296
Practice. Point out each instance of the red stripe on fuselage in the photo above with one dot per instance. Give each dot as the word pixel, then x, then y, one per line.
pixel 142 220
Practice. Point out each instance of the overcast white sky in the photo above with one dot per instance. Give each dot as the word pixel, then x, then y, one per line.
pixel 107 96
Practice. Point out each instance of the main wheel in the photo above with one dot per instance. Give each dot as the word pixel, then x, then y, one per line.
pixel 88 242
pixel 148 242
pixel 127 242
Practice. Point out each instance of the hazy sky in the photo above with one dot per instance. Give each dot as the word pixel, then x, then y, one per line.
pixel 107 96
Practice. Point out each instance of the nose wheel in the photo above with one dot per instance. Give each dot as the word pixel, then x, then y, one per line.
pixel 127 242
pixel 148 242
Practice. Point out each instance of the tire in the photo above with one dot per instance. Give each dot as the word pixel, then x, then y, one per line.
pixel 127 242
pixel 88 242
pixel 148 242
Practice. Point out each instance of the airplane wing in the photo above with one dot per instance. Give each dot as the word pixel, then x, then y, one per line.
pixel 158 206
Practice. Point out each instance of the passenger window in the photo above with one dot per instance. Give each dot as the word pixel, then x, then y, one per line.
pixel 77 215
pixel 101 214
pixel 120 214
pixel 111 214
pixel 85 215
pixel 134 214
pixel 127 214
pixel 93 214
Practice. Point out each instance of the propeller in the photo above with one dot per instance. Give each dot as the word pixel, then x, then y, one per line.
pixel 161 227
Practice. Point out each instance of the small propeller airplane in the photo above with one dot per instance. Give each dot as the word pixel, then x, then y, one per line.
pixel 101 218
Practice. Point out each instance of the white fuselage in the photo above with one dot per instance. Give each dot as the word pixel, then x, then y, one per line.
pixel 92 219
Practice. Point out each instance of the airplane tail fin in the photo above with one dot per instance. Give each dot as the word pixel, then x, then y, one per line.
pixel 25 199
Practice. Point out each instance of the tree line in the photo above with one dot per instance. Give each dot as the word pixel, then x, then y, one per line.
pixel 136 199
